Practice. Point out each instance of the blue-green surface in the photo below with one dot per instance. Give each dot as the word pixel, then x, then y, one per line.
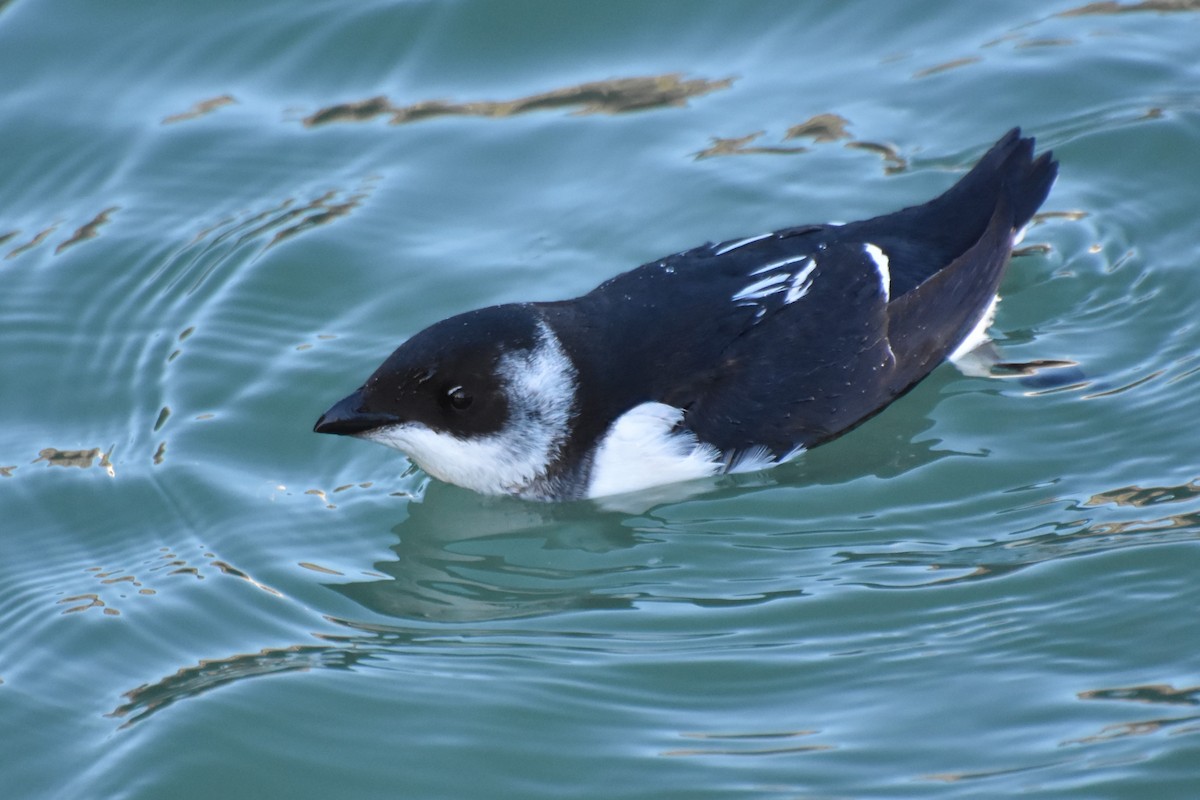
pixel 210 229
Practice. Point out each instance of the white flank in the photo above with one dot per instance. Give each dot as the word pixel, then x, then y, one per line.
pixel 739 243
pixel 540 391
pixel 642 449
pixel 800 283
pixel 883 264
pixel 978 336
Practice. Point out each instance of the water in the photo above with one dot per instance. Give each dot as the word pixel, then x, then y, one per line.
pixel 216 219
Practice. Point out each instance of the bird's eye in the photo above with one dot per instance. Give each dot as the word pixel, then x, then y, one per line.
pixel 459 398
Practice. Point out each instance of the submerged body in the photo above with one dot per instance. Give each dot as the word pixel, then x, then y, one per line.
pixel 727 357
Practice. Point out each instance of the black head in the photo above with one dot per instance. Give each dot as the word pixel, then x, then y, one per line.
pixel 448 377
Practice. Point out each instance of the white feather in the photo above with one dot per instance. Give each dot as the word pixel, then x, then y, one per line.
pixel 786 262
pixel 752 459
pixel 883 264
pixel 720 251
pixel 643 448
pixel 541 394
pixel 801 283
pixel 763 288
pixel 978 335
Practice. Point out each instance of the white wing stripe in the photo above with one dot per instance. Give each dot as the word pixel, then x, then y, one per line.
pixel 883 264
pixel 739 243
pixel 787 262
pixel 764 288
pixel 801 283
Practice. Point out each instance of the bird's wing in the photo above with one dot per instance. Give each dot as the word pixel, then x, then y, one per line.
pixel 830 346
pixel 806 367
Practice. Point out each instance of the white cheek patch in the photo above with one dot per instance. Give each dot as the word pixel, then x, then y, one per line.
pixel 540 389
pixel 643 448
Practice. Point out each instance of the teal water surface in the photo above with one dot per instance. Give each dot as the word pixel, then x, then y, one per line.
pixel 217 218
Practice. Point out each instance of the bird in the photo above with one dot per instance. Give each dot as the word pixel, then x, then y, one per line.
pixel 733 356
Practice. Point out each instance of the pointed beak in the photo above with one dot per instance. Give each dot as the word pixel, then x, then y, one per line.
pixel 347 417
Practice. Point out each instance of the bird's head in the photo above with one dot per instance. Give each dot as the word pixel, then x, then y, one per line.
pixel 482 400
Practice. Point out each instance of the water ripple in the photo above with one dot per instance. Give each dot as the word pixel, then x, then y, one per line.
pixel 1065 539
pixel 1155 694
pixel 612 96
pixel 189 682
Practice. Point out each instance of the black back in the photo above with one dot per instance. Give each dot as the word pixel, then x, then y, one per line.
pixel 783 370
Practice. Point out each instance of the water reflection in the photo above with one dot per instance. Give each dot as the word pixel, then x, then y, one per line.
pixel 455 562
pixel 467 564
pixel 212 673
pixel 37 239
pixel 946 66
pixel 751 744
pixel 740 146
pixel 893 162
pixel 1138 497
pixel 461 557
pixel 89 230
pixel 112 587
pixel 1047 42
pixel 214 245
pixel 76 458
pixel 1154 694
pixel 499 558
pixel 597 97
pixel 200 109
pixel 1053 541
pixel 1110 7
pixel 820 129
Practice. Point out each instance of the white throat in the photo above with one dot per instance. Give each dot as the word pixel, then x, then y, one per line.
pixel 540 389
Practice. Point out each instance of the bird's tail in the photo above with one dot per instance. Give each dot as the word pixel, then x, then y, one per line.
pixel 1008 168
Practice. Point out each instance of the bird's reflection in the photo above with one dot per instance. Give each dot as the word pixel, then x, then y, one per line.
pixel 461 557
